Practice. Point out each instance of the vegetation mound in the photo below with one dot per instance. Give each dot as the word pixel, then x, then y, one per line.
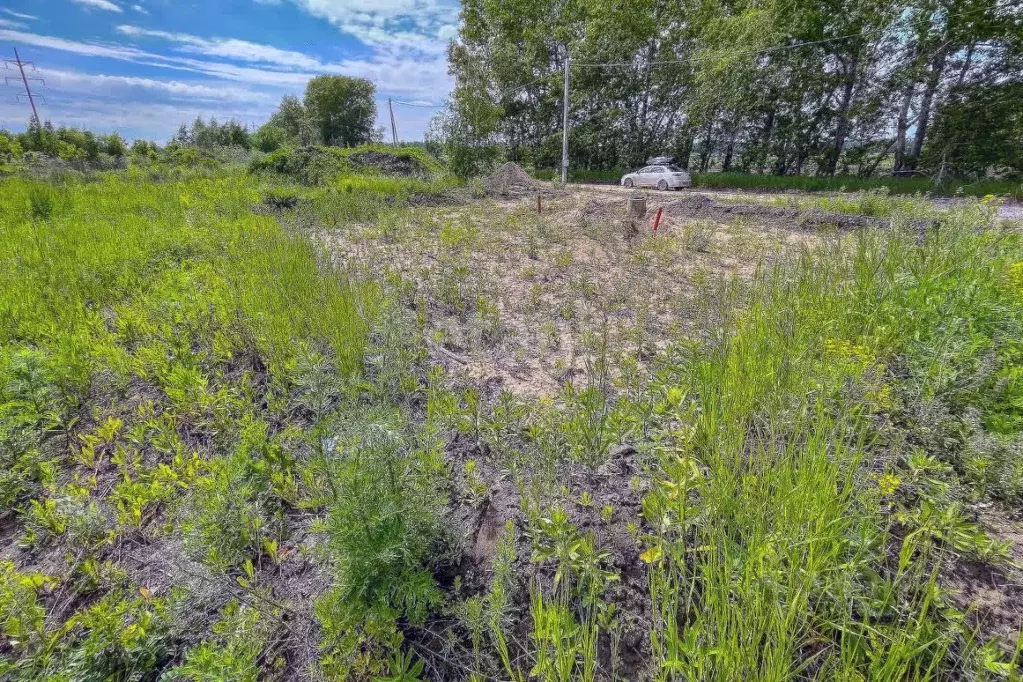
pixel 317 165
pixel 390 163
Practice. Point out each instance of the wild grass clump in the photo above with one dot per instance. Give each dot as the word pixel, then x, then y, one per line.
pixel 783 485
pixel 195 241
pixel 151 338
pixel 384 502
pixel 876 203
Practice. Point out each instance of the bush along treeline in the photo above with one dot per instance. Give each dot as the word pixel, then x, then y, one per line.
pixel 336 111
pixel 203 143
pixel 858 87
pixel 82 148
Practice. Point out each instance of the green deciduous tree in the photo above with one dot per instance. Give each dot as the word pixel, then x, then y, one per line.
pixel 817 87
pixel 289 126
pixel 341 109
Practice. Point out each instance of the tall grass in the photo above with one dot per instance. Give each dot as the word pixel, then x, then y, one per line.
pixel 773 557
pixel 102 244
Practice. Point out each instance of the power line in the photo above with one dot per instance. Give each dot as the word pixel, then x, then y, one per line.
pixel 767 50
pixel 734 53
pixel 564 125
pixel 737 53
pixel 25 81
pixel 394 128
pixel 415 104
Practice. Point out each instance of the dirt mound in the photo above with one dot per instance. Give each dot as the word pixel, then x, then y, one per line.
pixel 390 164
pixel 701 206
pixel 510 181
pixel 841 221
pixel 691 202
pixel 597 211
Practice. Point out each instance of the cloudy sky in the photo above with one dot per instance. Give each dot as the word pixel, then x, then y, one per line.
pixel 142 67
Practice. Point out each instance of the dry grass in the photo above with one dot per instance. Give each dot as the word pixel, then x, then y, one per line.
pixel 521 295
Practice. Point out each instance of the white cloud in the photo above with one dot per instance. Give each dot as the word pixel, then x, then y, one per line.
pixel 76 47
pixel 395 74
pixel 392 72
pixel 225 77
pixel 148 120
pixel 18 15
pixel 107 85
pixel 394 25
pixel 424 12
pixel 104 5
pixel 229 48
pixel 10 23
pixel 140 9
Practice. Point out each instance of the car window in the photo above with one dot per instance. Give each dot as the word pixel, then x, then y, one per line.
pixel 645 170
pixel 674 169
pixel 658 169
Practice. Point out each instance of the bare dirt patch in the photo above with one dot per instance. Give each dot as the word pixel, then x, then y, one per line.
pixel 702 206
pixel 531 300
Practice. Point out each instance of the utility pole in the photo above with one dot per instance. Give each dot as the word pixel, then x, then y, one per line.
pixel 394 128
pixel 24 79
pixel 564 126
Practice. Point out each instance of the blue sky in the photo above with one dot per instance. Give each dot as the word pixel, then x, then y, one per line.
pixel 142 67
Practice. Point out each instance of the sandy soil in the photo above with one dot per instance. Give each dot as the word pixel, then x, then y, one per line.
pixel 1009 209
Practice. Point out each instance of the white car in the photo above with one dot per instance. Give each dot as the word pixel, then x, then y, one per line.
pixel 661 177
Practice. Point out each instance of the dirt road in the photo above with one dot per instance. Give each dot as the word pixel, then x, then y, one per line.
pixel 1008 210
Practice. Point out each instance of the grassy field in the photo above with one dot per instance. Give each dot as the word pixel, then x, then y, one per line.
pixel 839 183
pixel 311 420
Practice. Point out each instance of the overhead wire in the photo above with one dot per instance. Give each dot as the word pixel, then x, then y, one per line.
pixel 734 53
pixel 766 50
pixel 418 105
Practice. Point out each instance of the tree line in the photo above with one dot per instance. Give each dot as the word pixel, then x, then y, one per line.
pixel 336 111
pixel 67 144
pixel 818 87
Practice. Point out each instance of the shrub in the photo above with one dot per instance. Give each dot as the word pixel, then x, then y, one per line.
pixel 241 636
pixel 382 517
pixel 119 639
pixel 321 165
pixel 10 148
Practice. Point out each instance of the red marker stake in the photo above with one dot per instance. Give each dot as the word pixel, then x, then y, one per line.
pixel 657 218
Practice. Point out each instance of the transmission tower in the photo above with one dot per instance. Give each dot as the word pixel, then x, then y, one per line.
pixel 25 81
